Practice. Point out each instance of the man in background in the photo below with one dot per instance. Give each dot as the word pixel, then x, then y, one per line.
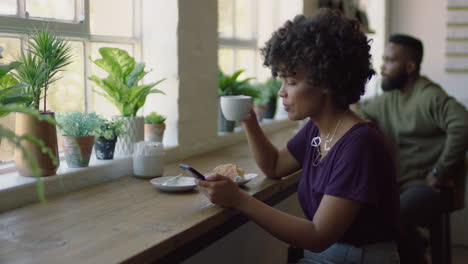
pixel 429 133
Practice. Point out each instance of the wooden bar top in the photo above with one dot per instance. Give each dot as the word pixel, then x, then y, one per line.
pixel 127 220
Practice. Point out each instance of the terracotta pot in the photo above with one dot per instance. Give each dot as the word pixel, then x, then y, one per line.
pixel 26 124
pixel 154 132
pixel 77 150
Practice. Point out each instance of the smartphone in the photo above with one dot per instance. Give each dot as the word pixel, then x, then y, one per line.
pixel 192 171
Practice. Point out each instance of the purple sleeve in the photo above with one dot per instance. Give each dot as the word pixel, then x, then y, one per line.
pixel 353 174
pixel 298 144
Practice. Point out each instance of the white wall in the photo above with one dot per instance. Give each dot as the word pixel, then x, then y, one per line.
pixel 160 55
pixel 427 21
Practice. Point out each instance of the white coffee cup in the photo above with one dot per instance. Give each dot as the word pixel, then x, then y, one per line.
pixel 236 107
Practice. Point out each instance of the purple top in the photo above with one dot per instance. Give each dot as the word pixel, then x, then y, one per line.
pixel 359 167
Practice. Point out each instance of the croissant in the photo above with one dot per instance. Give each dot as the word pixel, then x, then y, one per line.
pixel 229 170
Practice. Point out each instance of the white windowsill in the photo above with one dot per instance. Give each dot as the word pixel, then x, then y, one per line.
pixel 16 190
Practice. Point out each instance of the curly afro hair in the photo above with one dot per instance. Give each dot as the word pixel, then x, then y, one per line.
pixel 331 47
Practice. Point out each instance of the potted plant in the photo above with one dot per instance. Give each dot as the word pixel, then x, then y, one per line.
pixel 230 85
pixel 121 88
pixel 260 104
pixel 18 141
pixel 39 67
pixel 77 130
pixel 154 127
pixel 272 86
pixel 106 136
pixel 10 89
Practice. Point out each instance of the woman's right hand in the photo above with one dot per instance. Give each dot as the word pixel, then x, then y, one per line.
pixel 251 118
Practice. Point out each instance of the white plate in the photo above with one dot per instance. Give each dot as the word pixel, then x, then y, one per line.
pixel 182 184
pixel 245 179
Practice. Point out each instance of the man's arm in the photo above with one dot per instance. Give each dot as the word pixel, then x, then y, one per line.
pixel 451 117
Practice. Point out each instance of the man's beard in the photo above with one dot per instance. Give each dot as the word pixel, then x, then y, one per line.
pixel 395 83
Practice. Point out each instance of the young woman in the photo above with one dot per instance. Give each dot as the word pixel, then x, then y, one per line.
pixel 347 187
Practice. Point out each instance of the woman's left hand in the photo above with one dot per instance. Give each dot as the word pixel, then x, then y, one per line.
pixel 221 190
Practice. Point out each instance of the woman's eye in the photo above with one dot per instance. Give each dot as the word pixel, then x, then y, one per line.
pixel 291 83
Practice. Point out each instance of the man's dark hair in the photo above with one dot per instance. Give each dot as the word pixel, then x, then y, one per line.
pixel 413 44
pixel 331 47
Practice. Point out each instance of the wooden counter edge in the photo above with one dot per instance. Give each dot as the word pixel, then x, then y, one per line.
pixel 187 243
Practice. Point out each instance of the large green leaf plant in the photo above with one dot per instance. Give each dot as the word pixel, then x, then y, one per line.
pixel 230 85
pixel 121 86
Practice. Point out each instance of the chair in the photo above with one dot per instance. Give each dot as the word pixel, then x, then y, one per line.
pixel 295 254
pixel 441 248
pixel 452 199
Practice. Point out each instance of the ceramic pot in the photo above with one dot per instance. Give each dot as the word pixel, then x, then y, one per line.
pixel 134 133
pixel 104 148
pixel 271 108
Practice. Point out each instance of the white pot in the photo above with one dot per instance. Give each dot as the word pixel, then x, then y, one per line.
pixel 148 166
pixel 134 128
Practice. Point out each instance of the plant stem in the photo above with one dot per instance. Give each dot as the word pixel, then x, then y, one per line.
pixel 45 95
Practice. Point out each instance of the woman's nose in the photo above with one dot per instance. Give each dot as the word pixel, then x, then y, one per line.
pixel 282 92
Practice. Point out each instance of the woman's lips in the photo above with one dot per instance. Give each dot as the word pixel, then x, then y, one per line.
pixel 286 107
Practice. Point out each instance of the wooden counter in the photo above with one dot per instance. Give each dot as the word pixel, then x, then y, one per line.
pixel 128 220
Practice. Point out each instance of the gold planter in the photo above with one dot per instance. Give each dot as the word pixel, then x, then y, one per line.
pixel 26 124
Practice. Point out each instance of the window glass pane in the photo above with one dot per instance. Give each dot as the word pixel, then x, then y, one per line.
pixel 225 18
pixel 11 49
pixel 8 7
pixel 246 61
pixel 245 26
pixel 100 104
pixel 57 9
pixel 226 60
pixel 118 22
pixel 67 93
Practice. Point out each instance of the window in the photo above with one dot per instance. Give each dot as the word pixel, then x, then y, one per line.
pixel 238 36
pixel 243 28
pixel 87 25
pixel 376 11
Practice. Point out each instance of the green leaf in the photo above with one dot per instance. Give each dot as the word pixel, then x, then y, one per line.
pixel 118 61
pixel 136 75
pixel 121 87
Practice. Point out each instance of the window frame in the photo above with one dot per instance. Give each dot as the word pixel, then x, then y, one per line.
pixel 21 26
pixel 75 30
pixel 237 43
